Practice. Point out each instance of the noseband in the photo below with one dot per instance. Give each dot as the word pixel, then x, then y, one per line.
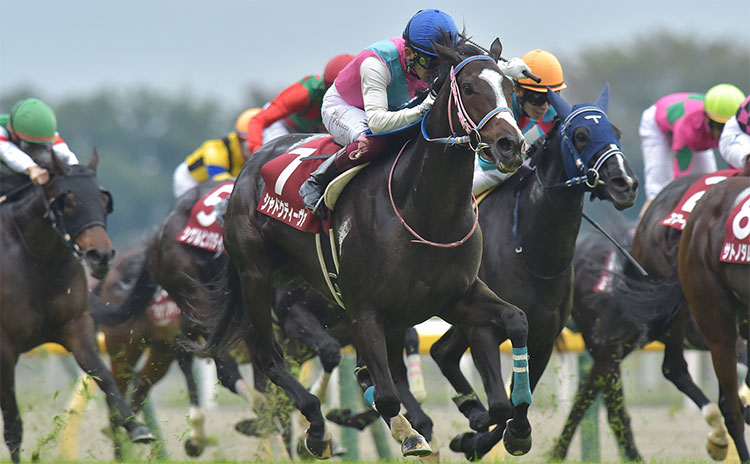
pixel 471 128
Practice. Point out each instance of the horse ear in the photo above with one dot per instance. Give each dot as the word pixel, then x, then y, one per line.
pixel 496 49
pixel 603 101
pixel 562 107
pixel 94 160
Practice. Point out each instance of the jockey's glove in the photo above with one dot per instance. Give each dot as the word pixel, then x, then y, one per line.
pixel 427 102
pixel 514 68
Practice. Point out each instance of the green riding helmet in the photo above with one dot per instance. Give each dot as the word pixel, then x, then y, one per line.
pixel 33 121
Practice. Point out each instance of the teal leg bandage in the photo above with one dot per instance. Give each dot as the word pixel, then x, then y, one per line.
pixel 370 396
pixel 521 389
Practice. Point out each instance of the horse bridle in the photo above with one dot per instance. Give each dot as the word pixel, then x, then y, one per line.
pixel 590 177
pixel 470 127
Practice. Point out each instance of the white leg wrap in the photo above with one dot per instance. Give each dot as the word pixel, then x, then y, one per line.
pixel 414 374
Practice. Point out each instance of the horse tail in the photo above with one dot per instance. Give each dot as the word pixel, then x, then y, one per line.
pixel 228 323
pixel 135 302
pixel 649 306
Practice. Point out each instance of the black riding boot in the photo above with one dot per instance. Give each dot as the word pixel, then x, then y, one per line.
pixel 313 188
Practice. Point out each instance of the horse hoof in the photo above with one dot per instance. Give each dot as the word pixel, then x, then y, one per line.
pixel 516 446
pixel 193 448
pixel 248 427
pixel 141 434
pixel 480 421
pixel 415 445
pixel 464 443
pixel 318 448
pixel 717 451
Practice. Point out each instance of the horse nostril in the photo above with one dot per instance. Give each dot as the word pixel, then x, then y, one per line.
pixel 98 256
pixel 506 145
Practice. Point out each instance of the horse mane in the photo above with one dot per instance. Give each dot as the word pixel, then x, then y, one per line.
pixel 450 54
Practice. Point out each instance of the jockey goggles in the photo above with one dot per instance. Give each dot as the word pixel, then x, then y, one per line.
pixel 535 98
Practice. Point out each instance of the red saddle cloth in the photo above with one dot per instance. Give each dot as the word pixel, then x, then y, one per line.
pixel 736 248
pixel 202 229
pixel 679 216
pixel 284 175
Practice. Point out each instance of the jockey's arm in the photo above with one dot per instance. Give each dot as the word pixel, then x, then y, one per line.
pixel 734 144
pixel 375 81
pixel 64 152
pixel 14 157
pixel 293 99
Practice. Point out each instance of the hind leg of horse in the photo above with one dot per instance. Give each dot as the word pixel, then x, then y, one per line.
pixel 588 388
pixel 617 413
pixel 414 365
pixel 124 352
pixel 13 427
pixel 715 312
pixel 447 353
pixel 196 441
pixel 155 368
pixel 78 337
pixel 674 366
pixel 675 369
pixel 268 356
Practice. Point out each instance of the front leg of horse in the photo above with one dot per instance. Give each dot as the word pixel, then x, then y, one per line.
pixel 79 339
pixel 414 412
pixel 371 347
pixel 11 416
pixel 490 321
pixel 447 353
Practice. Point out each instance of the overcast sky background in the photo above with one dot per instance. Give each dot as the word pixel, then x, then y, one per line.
pixel 217 49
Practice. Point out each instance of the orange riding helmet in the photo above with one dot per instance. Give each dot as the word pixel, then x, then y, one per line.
pixel 544 65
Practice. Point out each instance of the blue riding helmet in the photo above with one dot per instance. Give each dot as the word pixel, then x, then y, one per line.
pixel 428 26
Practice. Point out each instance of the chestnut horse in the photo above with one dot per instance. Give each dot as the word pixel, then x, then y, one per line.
pixel 46 233
pixel 408 242
pixel 718 293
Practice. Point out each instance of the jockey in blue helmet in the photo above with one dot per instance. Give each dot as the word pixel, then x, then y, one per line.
pixel 371 91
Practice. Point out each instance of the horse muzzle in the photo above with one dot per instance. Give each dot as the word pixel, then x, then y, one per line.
pixel 622 191
pixel 507 153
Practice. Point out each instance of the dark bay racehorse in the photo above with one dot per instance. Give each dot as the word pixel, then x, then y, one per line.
pixel 45 233
pixel 186 274
pixel 530 224
pixel 388 282
pixel 655 246
pixel 718 293
pixel 126 343
pixel 616 314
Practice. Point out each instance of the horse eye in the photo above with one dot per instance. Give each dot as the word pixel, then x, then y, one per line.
pixel 468 90
pixel 67 203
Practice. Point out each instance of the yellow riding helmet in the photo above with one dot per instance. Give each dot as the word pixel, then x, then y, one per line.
pixel 544 65
pixel 722 101
pixel 244 119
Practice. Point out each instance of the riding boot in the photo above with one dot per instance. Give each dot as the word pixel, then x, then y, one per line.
pixel 313 188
